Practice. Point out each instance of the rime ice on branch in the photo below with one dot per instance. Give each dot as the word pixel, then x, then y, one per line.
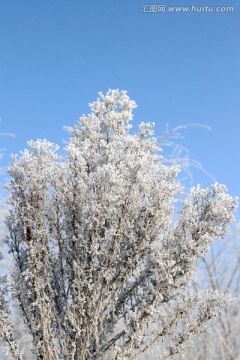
pixel 100 267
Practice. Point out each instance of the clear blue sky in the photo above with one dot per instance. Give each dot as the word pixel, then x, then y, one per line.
pixel 55 55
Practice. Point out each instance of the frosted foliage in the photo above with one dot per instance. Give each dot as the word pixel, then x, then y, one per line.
pixel 220 270
pixel 101 269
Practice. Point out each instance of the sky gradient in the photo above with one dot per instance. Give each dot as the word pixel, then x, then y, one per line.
pixel 179 67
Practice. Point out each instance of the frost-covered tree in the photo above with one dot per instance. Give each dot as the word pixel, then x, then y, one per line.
pixel 102 263
pixel 220 270
pixel 6 328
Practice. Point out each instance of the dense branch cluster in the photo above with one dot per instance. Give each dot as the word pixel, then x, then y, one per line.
pixel 220 270
pixel 101 267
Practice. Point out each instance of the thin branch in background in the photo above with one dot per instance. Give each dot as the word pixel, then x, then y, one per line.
pixel 2 150
pixel 181 155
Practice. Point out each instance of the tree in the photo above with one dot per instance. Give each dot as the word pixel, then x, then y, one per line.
pixel 220 270
pixel 101 265
pixel 6 328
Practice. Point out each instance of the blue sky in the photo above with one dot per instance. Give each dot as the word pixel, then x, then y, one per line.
pixel 55 55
